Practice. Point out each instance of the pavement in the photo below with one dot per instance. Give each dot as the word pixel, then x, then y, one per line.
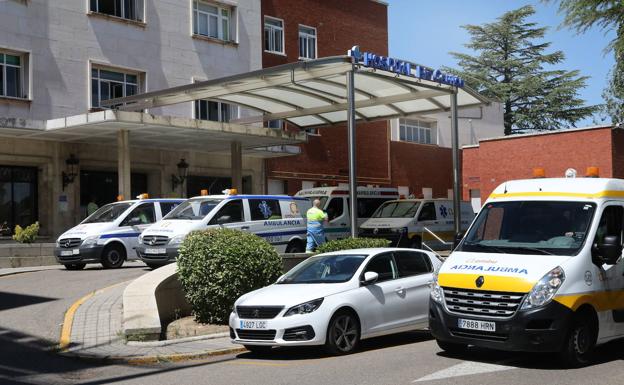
pixel 92 331
pixel 19 270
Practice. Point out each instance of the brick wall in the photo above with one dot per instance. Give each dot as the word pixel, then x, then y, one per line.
pixel 421 165
pixel 496 161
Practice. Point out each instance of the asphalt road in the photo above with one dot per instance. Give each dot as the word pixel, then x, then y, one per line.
pixel 32 307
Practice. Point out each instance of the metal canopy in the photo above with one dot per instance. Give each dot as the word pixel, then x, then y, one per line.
pixel 313 93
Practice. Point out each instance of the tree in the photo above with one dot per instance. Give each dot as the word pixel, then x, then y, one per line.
pixel 510 66
pixel 607 15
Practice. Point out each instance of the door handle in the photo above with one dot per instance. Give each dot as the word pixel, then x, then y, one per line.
pixel 399 290
pixel 244 227
pixel 343 224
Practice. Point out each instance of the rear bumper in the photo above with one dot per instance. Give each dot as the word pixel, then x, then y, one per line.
pixel 170 255
pixel 537 330
pixel 88 254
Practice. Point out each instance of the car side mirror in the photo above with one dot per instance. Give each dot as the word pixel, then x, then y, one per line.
pixel 458 237
pixel 609 250
pixel 370 277
pixel 223 219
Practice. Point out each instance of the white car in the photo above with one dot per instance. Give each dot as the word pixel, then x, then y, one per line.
pixel 336 299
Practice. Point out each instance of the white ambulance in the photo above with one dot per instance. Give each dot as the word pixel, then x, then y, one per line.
pixel 335 202
pixel 540 269
pixel 277 218
pixel 416 223
pixel 109 235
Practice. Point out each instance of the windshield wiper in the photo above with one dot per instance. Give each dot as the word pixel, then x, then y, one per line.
pixel 487 247
pixel 525 248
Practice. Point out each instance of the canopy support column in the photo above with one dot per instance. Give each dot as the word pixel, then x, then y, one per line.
pixel 456 164
pixel 236 164
pixel 123 164
pixel 352 155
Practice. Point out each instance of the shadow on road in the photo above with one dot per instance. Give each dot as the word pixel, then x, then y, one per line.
pixel 15 300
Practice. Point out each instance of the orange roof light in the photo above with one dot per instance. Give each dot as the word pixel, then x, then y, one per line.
pixel 203 192
pixel 592 172
pixel 143 196
pixel 539 172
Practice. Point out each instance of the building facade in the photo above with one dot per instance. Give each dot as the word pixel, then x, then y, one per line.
pixel 496 160
pixel 411 153
pixel 59 59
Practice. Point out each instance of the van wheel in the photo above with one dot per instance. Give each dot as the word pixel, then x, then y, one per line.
pixel 579 345
pixel 295 246
pixel 452 347
pixel 75 266
pixel 416 243
pixel 113 256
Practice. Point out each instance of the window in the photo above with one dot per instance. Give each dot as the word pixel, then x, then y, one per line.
pixel 368 206
pixel 18 197
pixel 273 35
pixel 307 42
pixel 108 84
pixel 412 263
pixel 211 20
pixel 384 266
pixel 215 111
pixel 142 215
pixel 335 208
pixel 417 131
pixel 126 9
pixel 263 209
pixel 277 124
pixel 12 75
pixel 428 212
pixel 166 207
pixel 610 223
pixel 231 212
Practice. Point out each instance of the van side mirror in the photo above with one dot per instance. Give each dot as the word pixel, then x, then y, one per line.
pixel 370 277
pixel 458 237
pixel 609 250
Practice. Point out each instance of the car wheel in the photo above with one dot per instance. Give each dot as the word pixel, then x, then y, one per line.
pixel 343 333
pixel 255 349
pixel 579 345
pixel 113 256
pixel 75 266
pixel 295 246
pixel 452 347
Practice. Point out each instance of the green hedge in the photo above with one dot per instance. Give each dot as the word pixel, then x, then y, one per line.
pixel 352 243
pixel 217 266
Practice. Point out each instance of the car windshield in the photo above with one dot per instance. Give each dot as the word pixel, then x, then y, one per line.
pixel 530 227
pixel 324 269
pixel 194 209
pixel 108 213
pixel 397 210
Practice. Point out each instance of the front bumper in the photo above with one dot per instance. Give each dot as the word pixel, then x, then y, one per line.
pixel 279 328
pixel 536 330
pixel 168 256
pixel 81 254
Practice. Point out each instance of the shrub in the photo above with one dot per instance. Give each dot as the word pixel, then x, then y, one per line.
pixel 352 243
pixel 27 235
pixel 217 266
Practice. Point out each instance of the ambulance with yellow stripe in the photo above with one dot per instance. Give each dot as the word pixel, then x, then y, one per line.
pixel 540 269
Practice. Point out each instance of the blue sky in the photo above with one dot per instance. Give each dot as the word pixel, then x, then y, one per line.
pixel 426 31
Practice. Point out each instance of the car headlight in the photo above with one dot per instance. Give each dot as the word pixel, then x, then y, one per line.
pixel 545 289
pixel 304 308
pixel 141 238
pixel 437 294
pixel 177 239
pixel 92 240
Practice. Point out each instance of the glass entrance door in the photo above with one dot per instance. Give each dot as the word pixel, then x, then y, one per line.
pixel 101 187
pixel 18 197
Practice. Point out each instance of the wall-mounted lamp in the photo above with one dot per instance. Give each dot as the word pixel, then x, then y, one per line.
pixel 177 180
pixel 72 170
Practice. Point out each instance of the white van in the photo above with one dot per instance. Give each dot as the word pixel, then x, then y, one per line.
pixel 109 235
pixel 276 218
pixel 417 223
pixel 335 202
pixel 540 270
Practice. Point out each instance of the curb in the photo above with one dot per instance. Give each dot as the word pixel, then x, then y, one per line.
pixel 23 270
pixel 177 340
pixel 146 360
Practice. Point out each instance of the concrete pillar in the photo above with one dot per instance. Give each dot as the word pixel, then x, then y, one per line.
pixel 457 194
pixel 123 164
pixel 236 164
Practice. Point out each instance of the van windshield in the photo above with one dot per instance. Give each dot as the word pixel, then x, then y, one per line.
pixel 194 209
pixel 530 227
pixel 397 210
pixel 108 213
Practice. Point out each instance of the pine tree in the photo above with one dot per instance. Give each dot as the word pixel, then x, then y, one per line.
pixel 607 15
pixel 511 67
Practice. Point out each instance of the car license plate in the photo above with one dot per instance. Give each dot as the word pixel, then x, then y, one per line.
pixel 155 251
pixel 485 326
pixel 70 252
pixel 253 324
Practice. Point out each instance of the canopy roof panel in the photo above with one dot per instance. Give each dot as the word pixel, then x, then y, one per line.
pixel 314 93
